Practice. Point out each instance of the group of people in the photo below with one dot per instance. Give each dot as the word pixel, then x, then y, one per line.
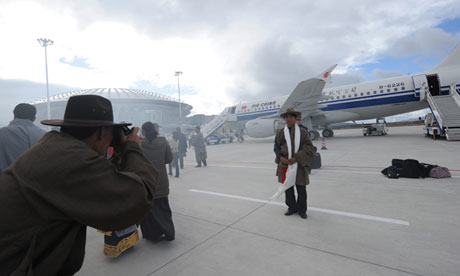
pixel 66 182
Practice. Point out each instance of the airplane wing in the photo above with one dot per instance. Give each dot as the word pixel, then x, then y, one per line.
pixel 306 95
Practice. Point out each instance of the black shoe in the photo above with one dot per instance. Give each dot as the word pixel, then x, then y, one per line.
pixel 288 213
pixel 304 216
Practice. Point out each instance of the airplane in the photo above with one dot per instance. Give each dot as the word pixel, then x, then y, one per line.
pixel 322 107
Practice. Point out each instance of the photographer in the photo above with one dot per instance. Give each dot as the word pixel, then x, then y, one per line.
pixel 65 183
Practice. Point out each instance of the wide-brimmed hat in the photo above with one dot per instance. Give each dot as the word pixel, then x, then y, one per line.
pixel 291 111
pixel 86 111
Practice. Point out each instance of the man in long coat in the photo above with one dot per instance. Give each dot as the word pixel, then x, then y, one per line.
pixel 65 183
pixel 200 148
pixel 301 157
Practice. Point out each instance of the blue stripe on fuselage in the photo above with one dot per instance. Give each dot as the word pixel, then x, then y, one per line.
pixel 372 102
pixel 364 101
pixel 255 115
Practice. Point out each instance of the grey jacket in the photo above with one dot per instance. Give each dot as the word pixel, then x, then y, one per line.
pixel 15 139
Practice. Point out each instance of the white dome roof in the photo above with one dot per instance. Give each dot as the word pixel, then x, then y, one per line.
pixel 111 94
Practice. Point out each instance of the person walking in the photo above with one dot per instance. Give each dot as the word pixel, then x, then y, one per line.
pixel 158 223
pixel 200 148
pixel 65 183
pixel 182 147
pixel 174 144
pixel 20 135
pixel 294 151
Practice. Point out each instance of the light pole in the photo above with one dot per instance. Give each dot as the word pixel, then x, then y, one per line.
pixel 44 42
pixel 177 74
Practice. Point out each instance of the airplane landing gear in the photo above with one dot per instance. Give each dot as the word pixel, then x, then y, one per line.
pixel 314 135
pixel 328 133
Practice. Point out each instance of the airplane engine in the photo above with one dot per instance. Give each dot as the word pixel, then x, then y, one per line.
pixel 261 128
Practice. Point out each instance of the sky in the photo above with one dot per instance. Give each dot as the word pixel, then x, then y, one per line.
pixel 229 51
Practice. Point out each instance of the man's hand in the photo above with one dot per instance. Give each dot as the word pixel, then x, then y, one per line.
pixel 292 161
pixel 131 137
pixel 284 160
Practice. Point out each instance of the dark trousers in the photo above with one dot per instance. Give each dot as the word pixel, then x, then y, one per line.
pixel 174 163
pixel 300 205
pixel 181 159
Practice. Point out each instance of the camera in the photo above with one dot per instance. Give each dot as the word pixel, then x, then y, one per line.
pixel 117 132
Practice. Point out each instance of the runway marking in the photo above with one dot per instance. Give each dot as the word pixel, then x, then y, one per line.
pixel 328 211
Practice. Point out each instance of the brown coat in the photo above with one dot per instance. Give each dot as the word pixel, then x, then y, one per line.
pixel 303 156
pixel 50 194
pixel 159 153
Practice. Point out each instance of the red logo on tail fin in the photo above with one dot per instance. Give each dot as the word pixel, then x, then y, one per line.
pixel 326 75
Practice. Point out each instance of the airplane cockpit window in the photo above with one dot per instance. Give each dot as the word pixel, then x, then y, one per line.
pixel 232 110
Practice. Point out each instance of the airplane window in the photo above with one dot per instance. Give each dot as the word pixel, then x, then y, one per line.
pixel 402 88
pixel 368 93
pixel 381 91
pixel 338 97
pixel 375 92
pixel 343 97
pixel 388 90
pixel 356 95
pixel 362 93
pixel 349 96
pixel 396 89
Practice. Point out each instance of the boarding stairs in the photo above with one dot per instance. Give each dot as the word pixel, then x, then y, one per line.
pixel 446 111
pixel 214 125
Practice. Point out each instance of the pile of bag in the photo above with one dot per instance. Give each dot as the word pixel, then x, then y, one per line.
pixel 411 168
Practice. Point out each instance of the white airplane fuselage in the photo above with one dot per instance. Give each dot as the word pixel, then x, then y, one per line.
pixel 362 101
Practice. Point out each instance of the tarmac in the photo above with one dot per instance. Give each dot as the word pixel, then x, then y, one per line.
pixel 359 222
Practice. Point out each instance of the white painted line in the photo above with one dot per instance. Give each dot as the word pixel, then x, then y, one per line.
pixel 245 167
pixel 328 211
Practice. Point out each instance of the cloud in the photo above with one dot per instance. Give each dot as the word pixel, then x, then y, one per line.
pixel 229 51
pixel 14 92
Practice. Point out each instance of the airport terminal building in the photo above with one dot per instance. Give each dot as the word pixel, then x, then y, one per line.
pixel 129 105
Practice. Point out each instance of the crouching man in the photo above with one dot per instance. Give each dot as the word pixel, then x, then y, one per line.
pixel 65 183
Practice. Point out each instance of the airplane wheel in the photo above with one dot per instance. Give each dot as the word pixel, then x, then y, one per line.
pixel 328 133
pixel 314 135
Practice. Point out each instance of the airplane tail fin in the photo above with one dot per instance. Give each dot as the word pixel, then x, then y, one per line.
pixel 326 75
pixel 453 59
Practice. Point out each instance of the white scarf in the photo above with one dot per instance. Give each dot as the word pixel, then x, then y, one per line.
pixel 291 172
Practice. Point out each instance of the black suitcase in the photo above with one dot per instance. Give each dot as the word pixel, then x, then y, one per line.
pixel 316 161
